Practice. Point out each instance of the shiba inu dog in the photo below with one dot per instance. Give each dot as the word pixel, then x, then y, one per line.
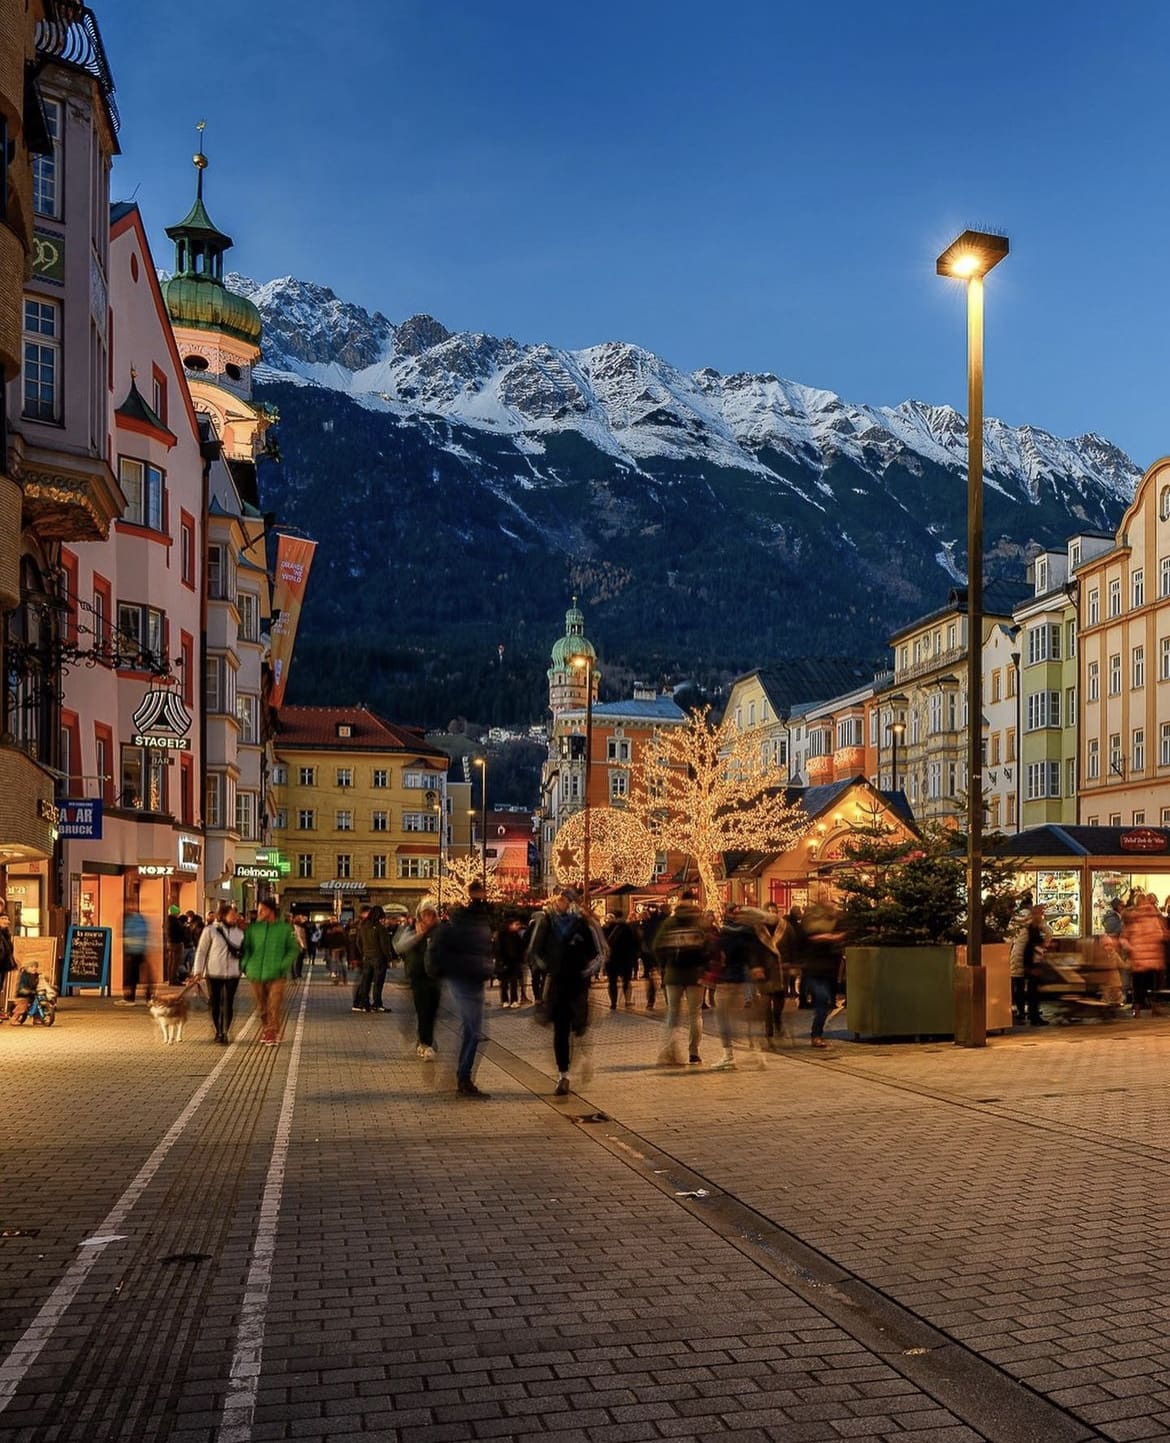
pixel 168 1007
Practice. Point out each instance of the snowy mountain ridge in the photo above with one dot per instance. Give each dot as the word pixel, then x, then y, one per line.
pixel 636 406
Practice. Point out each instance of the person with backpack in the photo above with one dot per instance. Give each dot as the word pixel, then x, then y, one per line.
pixel 565 948
pixel 684 950
pixel 460 954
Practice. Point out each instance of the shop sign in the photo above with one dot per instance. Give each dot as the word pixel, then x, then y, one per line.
pixel 48 812
pixel 156 869
pixel 87 957
pixel 82 818
pixel 1143 839
pixel 162 722
pixel 343 887
pixel 48 256
pixel 190 854
pixel 251 873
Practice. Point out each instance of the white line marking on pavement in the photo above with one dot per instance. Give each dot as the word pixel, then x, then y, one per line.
pixel 28 1346
pixel 239 1407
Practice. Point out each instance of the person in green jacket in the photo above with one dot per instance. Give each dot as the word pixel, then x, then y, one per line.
pixel 270 949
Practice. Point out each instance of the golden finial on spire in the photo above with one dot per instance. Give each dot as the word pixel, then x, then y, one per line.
pixel 199 158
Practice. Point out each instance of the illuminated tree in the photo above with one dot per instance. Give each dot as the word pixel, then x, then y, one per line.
pixel 703 790
pixel 621 850
pixel 460 872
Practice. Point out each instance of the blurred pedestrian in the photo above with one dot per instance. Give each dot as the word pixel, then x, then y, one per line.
pixel 411 945
pixel 134 943
pixel 176 945
pixel 819 944
pixel 460 954
pixel 625 946
pixel 566 947
pixel 740 964
pixel 683 950
pixel 1144 932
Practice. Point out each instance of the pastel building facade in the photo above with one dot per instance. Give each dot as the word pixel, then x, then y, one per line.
pixel 1123 664
pixel 132 725
pixel 57 484
pixel 362 810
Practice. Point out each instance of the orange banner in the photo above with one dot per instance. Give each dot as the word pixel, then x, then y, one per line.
pixel 294 557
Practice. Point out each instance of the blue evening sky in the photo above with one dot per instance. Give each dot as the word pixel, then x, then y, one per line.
pixel 746 185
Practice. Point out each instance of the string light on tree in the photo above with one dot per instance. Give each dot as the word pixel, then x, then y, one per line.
pixel 704 790
pixel 622 851
pixel 460 872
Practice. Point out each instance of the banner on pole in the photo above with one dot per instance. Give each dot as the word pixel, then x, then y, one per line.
pixel 294 557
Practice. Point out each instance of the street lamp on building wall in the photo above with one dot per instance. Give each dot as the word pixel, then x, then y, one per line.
pixel 969 258
pixel 586 661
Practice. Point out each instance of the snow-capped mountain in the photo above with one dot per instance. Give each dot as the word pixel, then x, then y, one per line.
pixel 634 405
pixel 462 485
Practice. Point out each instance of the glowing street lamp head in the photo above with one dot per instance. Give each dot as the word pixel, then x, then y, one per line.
pixel 973 254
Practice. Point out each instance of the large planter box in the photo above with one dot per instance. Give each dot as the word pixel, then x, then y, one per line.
pixel 900 991
pixel 910 991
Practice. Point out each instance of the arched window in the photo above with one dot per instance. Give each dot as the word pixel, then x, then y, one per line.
pixel 1164 504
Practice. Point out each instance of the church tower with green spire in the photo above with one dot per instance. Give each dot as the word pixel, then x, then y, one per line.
pixel 567 683
pixel 217 331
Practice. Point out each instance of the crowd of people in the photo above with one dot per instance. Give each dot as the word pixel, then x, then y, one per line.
pixel 1124 965
pixel 742 969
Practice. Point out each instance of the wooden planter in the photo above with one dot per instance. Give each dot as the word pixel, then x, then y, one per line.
pixel 910 991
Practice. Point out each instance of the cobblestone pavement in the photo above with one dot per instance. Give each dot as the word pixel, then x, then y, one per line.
pixel 320 1241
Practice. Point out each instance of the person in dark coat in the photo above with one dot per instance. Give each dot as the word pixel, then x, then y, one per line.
pixel 460 954
pixel 375 955
pixel 625 946
pixel 510 946
pixel 818 945
pixel 565 948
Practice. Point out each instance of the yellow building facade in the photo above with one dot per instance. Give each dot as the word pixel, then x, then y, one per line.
pixel 362 809
pixel 1123 624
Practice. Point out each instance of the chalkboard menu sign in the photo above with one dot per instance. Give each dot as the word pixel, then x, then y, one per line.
pixel 87 957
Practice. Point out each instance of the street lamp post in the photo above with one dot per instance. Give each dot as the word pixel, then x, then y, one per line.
pixel 897 732
pixel 481 763
pixel 438 807
pixel 587 662
pixel 969 258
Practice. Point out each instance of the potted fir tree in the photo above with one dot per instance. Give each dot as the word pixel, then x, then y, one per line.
pixel 904 910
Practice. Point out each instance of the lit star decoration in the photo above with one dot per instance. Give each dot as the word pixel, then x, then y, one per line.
pixel 704 790
pixel 621 850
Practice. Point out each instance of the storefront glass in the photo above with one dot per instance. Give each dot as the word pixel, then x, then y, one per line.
pixel 1109 883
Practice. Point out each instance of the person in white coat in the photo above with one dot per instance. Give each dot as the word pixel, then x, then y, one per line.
pixel 217 958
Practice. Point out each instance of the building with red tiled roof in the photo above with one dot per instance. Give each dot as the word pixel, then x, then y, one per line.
pixel 362 810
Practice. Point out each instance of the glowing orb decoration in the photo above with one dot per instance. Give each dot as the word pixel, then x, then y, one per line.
pixel 621 850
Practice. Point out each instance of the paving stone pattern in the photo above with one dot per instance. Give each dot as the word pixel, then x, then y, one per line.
pixel 451 1270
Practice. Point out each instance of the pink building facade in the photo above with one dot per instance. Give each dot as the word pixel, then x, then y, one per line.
pixel 132 725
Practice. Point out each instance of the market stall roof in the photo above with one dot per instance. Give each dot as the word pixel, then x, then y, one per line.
pixel 1074 841
pixel 816 801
